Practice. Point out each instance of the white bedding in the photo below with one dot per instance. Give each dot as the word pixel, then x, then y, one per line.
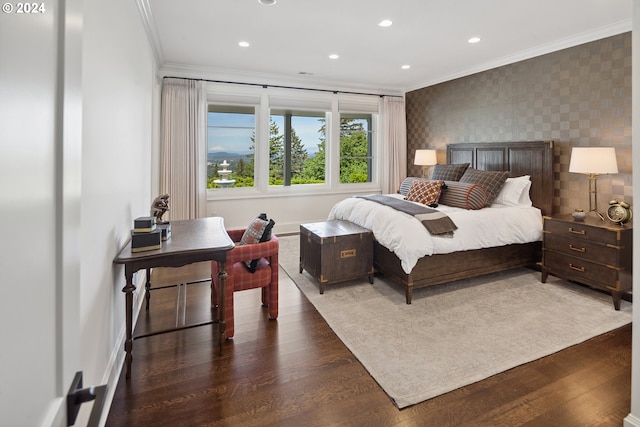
pixel 409 240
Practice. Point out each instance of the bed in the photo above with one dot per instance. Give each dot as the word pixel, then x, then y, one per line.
pixel 531 158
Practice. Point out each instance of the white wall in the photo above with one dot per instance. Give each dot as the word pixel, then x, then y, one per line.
pixel 633 419
pixel 288 211
pixel 118 93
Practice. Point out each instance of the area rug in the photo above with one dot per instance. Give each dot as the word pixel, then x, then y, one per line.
pixel 458 333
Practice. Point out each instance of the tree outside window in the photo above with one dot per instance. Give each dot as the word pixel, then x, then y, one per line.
pixel 356 148
pixel 296 148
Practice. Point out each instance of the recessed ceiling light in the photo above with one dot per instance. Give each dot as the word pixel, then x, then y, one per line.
pixel 267 2
pixel 385 23
pixel 406 67
pixel 334 56
pixel 243 44
pixel 474 39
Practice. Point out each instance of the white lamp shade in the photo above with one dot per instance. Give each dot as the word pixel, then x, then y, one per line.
pixel 425 157
pixel 593 160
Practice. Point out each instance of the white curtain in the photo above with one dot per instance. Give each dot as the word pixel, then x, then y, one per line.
pixel 394 150
pixel 183 148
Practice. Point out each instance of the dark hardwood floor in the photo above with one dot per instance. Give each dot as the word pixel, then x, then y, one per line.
pixel 296 372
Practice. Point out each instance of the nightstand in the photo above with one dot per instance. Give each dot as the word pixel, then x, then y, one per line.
pixel 595 253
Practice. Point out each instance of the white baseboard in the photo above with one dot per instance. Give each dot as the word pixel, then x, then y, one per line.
pixel 116 360
pixel 631 421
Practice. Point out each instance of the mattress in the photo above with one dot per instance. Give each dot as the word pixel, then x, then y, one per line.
pixel 405 236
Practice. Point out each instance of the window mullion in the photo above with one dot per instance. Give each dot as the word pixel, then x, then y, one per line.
pixel 369 149
pixel 262 145
pixel 286 167
pixel 333 145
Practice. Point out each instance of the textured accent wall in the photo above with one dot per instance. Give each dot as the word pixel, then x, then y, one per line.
pixel 579 96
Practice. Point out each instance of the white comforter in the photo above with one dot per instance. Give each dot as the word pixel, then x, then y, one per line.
pixel 405 236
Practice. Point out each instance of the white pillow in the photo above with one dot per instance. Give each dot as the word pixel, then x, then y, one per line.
pixel 515 192
pixel 525 200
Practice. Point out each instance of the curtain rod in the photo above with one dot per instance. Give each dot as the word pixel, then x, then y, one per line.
pixel 266 86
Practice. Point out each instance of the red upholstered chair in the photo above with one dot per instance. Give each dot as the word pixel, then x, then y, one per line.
pixel 240 278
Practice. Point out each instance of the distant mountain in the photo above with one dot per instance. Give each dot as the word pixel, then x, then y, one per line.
pixel 220 156
pixel 233 157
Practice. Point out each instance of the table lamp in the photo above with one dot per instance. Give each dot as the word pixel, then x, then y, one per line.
pixel 593 161
pixel 425 158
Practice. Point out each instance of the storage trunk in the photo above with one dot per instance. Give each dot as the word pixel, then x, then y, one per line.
pixel 335 251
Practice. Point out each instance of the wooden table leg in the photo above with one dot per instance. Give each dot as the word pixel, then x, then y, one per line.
pixel 128 344
pixel 147 287
pixel 222 324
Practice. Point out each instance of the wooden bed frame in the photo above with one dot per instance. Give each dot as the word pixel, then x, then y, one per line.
pixel 533 158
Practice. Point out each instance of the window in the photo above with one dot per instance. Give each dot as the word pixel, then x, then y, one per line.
pixel 356 148
pixel 279 141
pixel 297 142
pixel 230 146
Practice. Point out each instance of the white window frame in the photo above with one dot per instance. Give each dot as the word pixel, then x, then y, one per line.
pixel 228 104
pixel 264 99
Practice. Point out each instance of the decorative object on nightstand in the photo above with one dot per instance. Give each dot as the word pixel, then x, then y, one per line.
pixel 579 215
pixel 589 252
pixel 425 158
pixel 593 161
pixel 619 212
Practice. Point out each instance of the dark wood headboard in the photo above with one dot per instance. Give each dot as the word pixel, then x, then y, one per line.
pixel 534 158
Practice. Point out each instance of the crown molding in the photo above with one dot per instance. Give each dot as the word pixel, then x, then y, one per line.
pixel 144 9
pixel 575 40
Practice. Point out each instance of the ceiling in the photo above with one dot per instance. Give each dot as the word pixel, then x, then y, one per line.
pixel 290 41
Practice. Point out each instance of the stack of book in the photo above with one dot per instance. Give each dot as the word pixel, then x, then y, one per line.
pixel 145 236
pixel 165 228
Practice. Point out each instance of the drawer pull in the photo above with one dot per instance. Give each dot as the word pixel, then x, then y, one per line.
pixel 348 253
pixel 582 232
pixel 573 248
pixel 573 267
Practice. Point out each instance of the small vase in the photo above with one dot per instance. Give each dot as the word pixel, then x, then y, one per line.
pixel 579 215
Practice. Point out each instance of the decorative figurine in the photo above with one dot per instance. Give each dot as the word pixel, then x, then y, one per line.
pixel 159 206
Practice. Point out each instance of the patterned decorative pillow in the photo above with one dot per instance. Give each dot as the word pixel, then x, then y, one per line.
pixel 449 172
pixel 406 184
pixel 492 181
pixel 258 231
pixel 425 192
pixel 463 195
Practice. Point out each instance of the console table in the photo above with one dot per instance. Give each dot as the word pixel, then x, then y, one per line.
pixel 194 240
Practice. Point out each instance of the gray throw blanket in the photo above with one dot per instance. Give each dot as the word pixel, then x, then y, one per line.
pixel 436 222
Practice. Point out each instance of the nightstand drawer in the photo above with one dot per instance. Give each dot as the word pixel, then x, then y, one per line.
pixel 586 249
pixel 579 230
pixel 580 270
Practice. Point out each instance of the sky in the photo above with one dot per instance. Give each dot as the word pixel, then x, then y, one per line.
pixel 236 136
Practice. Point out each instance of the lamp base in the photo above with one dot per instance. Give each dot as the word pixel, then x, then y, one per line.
pixel 598 214
pixel 593 195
